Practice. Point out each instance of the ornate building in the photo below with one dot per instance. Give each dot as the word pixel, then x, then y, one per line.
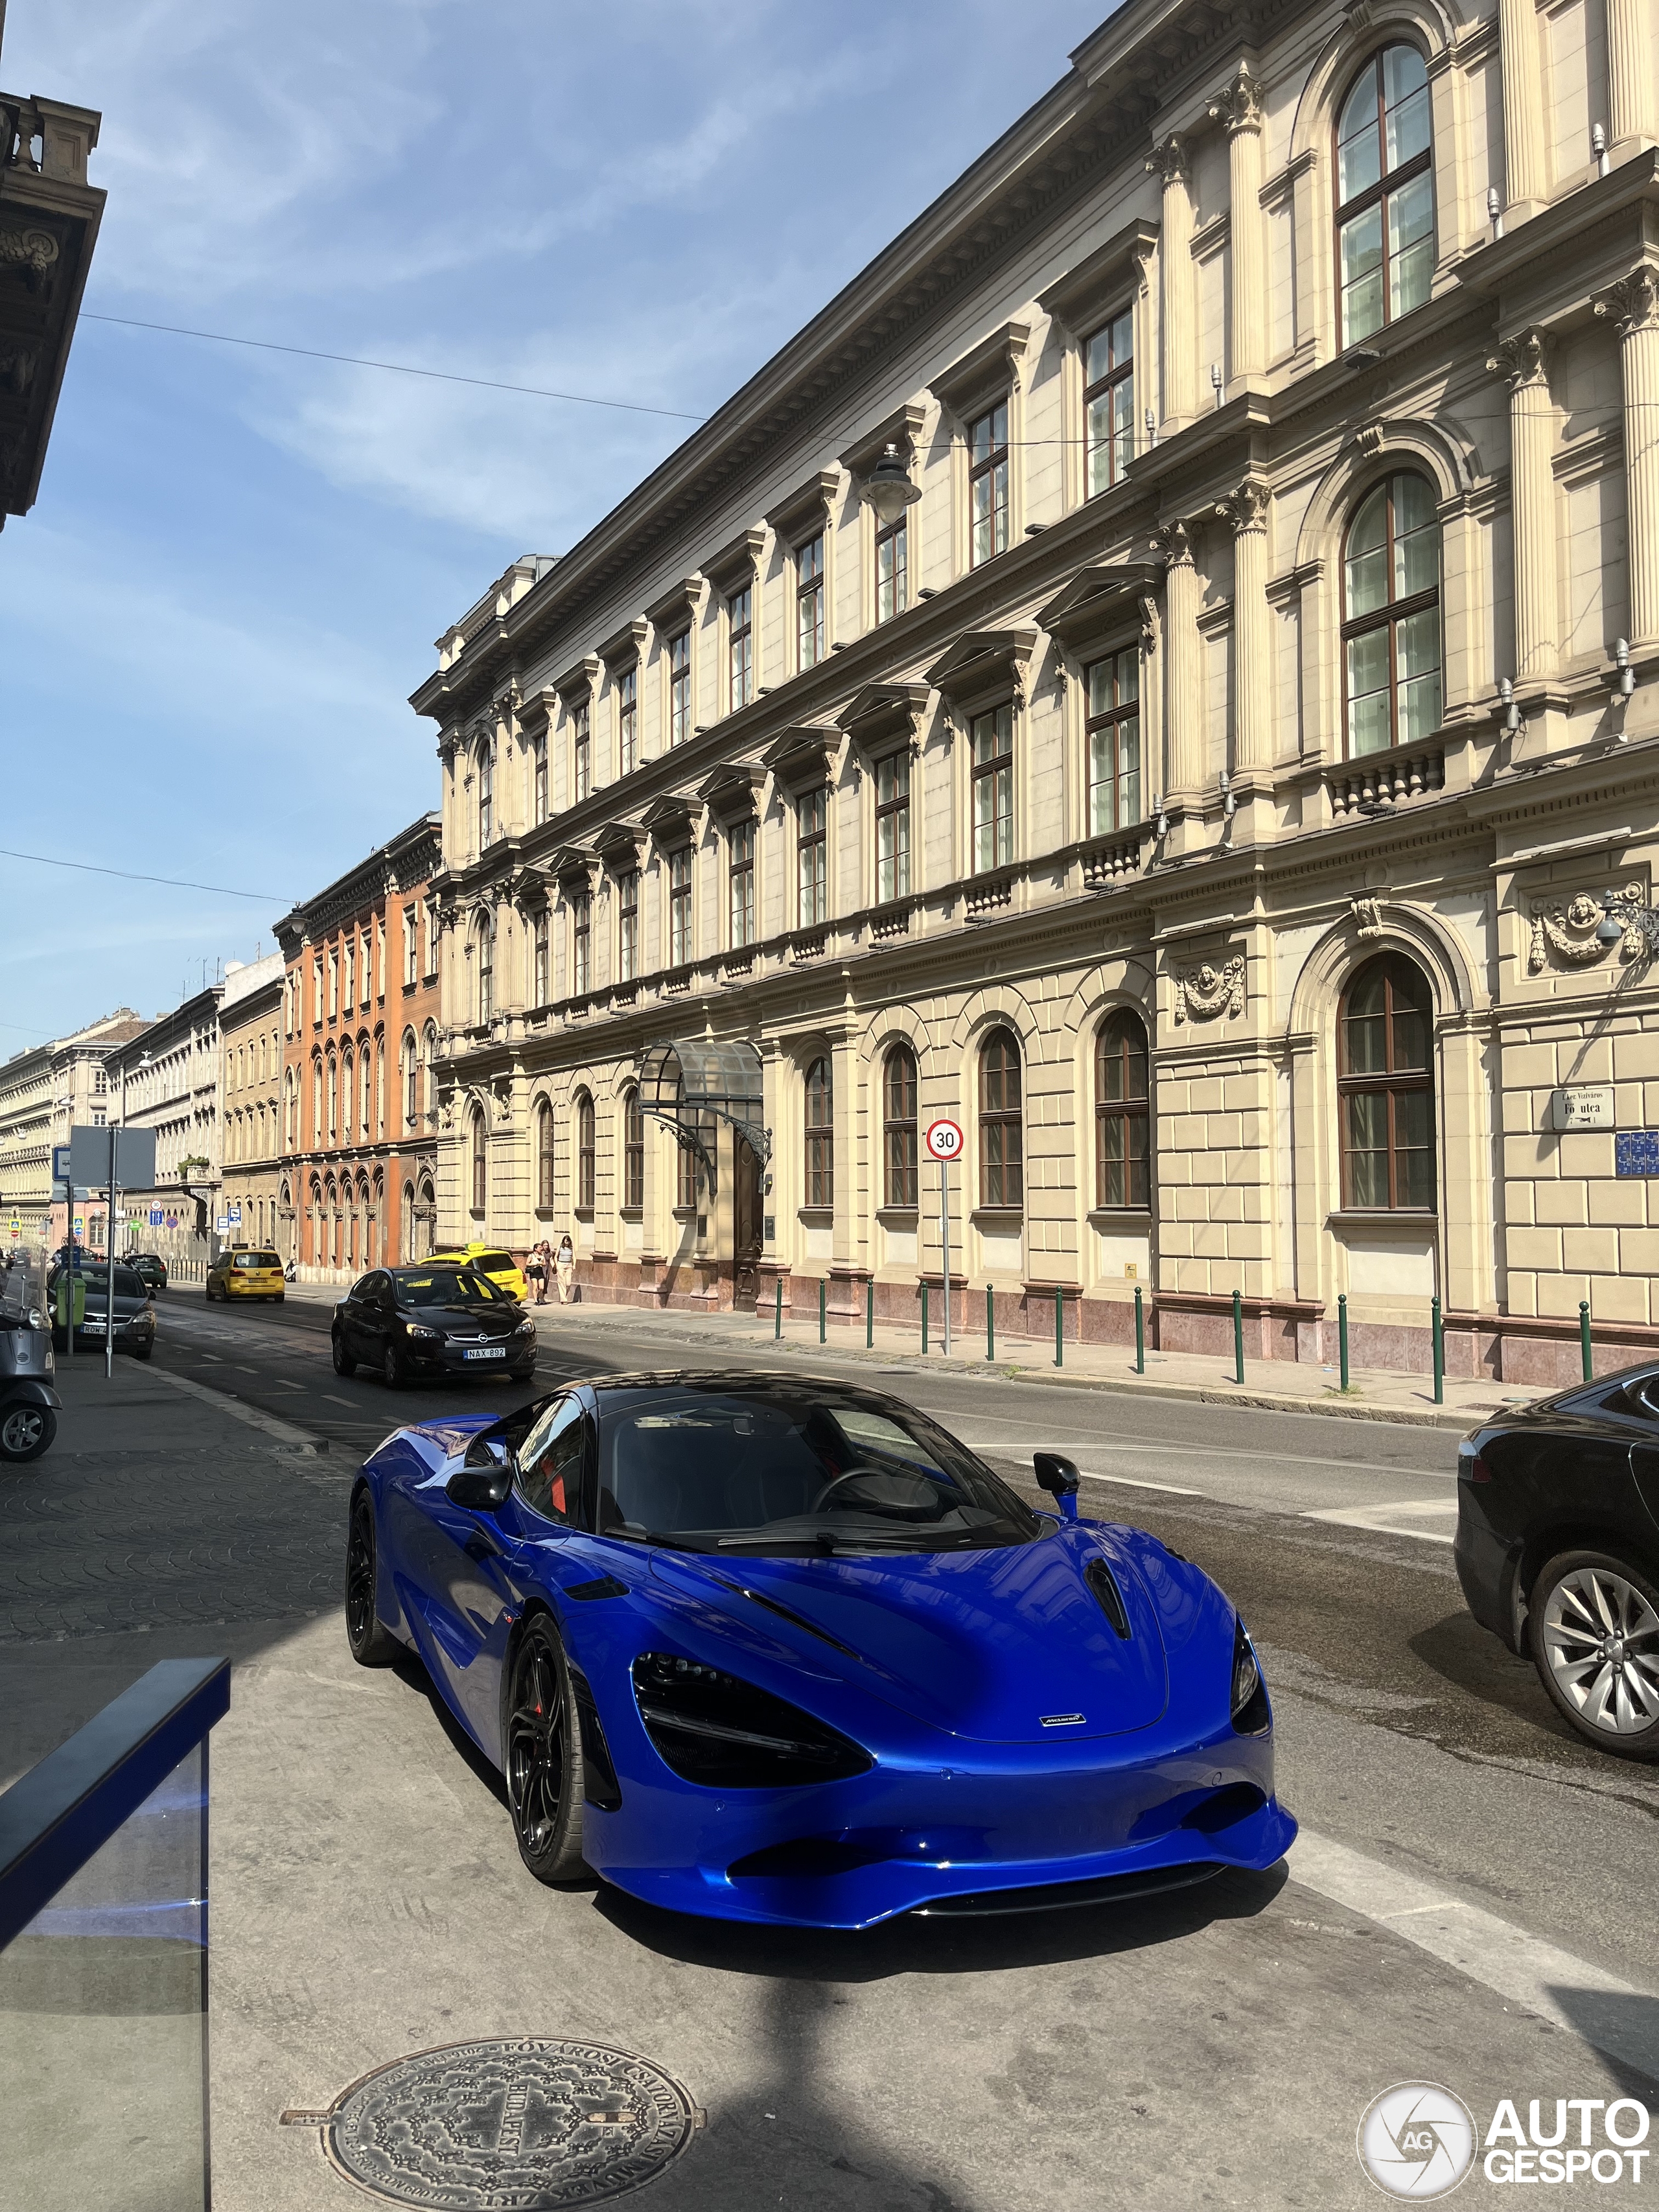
pixel 250 1098
pixel 356 1184
pixel 1160 670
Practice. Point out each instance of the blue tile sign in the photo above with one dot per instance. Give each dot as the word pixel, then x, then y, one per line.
pixel 1636 1153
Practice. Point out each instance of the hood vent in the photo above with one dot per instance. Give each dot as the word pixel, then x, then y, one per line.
pixel 1098 1576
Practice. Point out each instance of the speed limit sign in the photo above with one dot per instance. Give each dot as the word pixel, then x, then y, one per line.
pixel 943 1141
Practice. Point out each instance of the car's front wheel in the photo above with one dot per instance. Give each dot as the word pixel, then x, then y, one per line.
pixel 541 1736
pixel 368 1642
pixel 1594 1626
pixel 143 1351
pixel 25 1431
pixel 343 1362
pixel 392 1367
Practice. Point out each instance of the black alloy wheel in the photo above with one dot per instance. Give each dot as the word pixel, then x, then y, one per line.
pixel 144 1351
pixel 25 1431
pixel 343 1362
pixel 1593 1627
pixel 541 1738
pixel 393 1369
pixel 369 1643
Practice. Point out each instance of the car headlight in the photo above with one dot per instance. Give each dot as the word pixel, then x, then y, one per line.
pixel 525 1328
pixel 421 1333
pixel 1252 1715
pixel 37 1319
pixel 712 1728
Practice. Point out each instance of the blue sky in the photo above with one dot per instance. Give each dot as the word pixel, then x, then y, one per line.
pixel 210 622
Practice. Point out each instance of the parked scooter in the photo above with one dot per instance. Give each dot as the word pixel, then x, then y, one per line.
pixel 28 1403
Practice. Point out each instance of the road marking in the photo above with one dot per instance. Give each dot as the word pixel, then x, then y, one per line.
pixel 1136 1449
pixel 1568 1991
pixel 1128 1482
pixel 1392 1520
pixel 350 1404
pixel 284 1432
pixel 287 1385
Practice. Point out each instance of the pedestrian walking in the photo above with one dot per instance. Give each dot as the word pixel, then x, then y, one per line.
pixel 564 1265
pixel 535 1270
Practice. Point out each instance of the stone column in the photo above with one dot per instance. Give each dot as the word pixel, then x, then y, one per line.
pixel 1179 313
pixel 1632 308
pixel 1526 152
pixel 1253 729
pixel 1632 72
pixel 1240 108
pixel 1523 360
pixel 1185 727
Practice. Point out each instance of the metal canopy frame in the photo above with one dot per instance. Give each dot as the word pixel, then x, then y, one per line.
pixel 683 1080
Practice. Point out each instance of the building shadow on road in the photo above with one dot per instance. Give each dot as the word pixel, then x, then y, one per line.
pixel 1624 2027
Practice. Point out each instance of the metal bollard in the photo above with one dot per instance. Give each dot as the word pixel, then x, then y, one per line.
pixel 823 1290
pixel 1238 1338
pixel 1140 1332
pixel 924 1313
pixel 777 1325
pixel 1342 1335
pixel 1060 1328
pixel 869 1312
pixel 990 1323
pixel 1585 1340
pixel 1439 1356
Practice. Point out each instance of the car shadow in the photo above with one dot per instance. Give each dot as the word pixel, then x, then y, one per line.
pixel 411 1672
pixel 1473 1660
pixel 1624 2026
pixel 911 1945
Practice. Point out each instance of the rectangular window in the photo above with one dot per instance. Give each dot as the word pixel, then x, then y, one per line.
pixel 812 858
pixel 1108 402
pixel 741 657
pixel 743 884
pixel 1115 744
pixel 581 938
pixel 679 688
pixel 892 568
pixel 379 959
pixel 581 753
pixel 542 982
pixel 988 485
pixel 628 926
pixel 809 603
pixel 679 907
pixel 993 789
pixel 685 1178
pixel 317 988
pixel 412 948
pixel 540 793
pixel 633 1154
pixel 431 939
pixel 350 972
pixel 628 721
pixel 333 983
pixel 893 828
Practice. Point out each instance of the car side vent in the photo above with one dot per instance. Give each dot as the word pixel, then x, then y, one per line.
pixel 1099 1577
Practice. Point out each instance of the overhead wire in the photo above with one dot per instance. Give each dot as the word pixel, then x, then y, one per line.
pixel 130 876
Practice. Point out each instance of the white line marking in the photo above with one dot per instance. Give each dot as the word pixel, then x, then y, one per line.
pixel 350 1404
pixel 284 1432
pixel 1135 1448
pixel 1128 1482
pixel 1613 2015
pixel 287 1385
pixel 1391 1520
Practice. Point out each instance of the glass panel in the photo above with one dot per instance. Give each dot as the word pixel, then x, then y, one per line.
pixel 1097 356
pixel 1417 538
pixel 1405 103
pixel 1113 1179
pixel 984 519
pixel 1413 1132
pixel 1362 275
pixel 1101 700
pixel 1369 730
pixel 103 2020
pixel 1128 677
pixel 1417 656
pixel 1123 424
pixel 1411 245
pixel 1367 1130
pixel 1102 768
pixel 1359 146
pixel 1099 436
pixel 1366 570
pixel 1128 773
pixel 1367 1043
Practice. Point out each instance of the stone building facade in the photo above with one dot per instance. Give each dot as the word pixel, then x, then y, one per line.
pixel 1160 670
pixel 249 1100
pixel 166 1078
pixel 45 1092
pixel 357 1164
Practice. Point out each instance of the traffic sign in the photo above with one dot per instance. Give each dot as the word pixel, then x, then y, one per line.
pixel 155 1217
pixel 943 1141
pixel 233 1215
pixel 60 1162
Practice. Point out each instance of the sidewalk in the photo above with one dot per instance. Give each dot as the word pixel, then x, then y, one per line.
pixel 1284 1386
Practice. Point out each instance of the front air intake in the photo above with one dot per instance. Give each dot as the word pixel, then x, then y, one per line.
pixel 711 1728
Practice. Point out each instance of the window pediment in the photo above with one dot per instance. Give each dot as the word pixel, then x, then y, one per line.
pixel 980 660
pixel 571 867
pixel 883 714
pixel 1099 599
pixel 735 564
pixel 576 686
pixel 803 758
pixel 990 368
pixel 902 428
pixel 667 821
pixel 731 794
pixel 676 608
pixel 627 645
pixel 619 845
pixel 1081 297
pixel 807 509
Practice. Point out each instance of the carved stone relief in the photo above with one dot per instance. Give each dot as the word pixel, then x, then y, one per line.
pixel 1563 929
pixel 1204 992
pixel 1367 917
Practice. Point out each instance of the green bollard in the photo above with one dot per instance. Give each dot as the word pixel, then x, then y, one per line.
pixel 924 1313
pixel 1238 1338
pixel 1342 1335
pixel 1439 1357
pixel 869 1312
pixel 1060 1328
pixel 990 1323
pixel 823 1290
pixel 777 1324
pixel 1140 1332
pixel 1585 1340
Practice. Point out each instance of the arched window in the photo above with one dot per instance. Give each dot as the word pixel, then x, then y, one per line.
pixel 1385 1082
pixel 406 1235
pixel 428 1055
pixel 820 1135
pixel 486 795
pixel 585 1153
pixel 541 982
pixel 1001 1123
pixel 412 1059
pixel 333 1096
pixel 545 1156
pixel 479 1163
pixel 426 1201
pixel 633 1152
pixel 316 1099
pixel 1385 194
pixel 1391 616
pixel 379 1085
pixel 289 1109
pixel 1122 1124
pixel 366 1067
pixel 898 1126
pixel 486 971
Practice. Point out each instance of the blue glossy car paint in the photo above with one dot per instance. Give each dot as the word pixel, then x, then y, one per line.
pixel 943 1666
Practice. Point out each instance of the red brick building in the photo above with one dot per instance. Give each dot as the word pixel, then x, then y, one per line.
pixel 358 1182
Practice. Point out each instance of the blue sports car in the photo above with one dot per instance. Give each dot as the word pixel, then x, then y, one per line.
pixel 782 1650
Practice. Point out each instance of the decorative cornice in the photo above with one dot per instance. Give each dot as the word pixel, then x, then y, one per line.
pixel 980 659
pixel 627 644
pixel 1083 291
pixel 902 428
pixel 676 607
pixel 808 507
pixel 994 361
pixel 735 564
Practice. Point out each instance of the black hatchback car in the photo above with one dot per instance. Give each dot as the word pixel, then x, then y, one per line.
pixel 410 1323
pixel 1558 1550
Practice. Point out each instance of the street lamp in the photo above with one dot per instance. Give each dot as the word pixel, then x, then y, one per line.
pixel 888 490
pixel 1619 914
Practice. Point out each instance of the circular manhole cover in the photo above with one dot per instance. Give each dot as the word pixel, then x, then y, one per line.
pixel 522 2125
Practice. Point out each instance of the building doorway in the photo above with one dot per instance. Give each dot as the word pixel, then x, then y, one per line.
pixel 747 1224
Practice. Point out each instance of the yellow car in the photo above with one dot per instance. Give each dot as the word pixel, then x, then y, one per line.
pixel 244 1273
pixel 488 1260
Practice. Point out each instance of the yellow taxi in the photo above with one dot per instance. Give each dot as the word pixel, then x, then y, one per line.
pixel 502 1268
pixel 245 1272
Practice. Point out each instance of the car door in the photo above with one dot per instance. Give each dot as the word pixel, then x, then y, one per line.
pixel 1641 1409
pixel 354 1319
pixel 374 1315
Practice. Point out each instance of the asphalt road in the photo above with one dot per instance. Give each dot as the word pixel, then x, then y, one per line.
pixel 1471 1884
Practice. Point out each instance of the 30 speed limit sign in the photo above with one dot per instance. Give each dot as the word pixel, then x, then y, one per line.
pixel 943 1141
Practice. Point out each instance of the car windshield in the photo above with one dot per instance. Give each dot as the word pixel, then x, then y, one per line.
pixel 443 1286
pixel 127 1284
pixel 782 1469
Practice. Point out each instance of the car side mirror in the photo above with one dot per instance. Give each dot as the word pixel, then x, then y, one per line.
pixel 1059 1478
pixel 480 1489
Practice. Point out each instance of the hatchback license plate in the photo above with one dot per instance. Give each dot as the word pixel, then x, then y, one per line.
pixel 492 1352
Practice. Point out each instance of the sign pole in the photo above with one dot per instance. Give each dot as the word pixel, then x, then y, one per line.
pixel 109 1265
pixel 945 1241
pixel 943 1140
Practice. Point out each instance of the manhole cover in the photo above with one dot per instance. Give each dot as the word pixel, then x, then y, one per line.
pixel 513 2127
